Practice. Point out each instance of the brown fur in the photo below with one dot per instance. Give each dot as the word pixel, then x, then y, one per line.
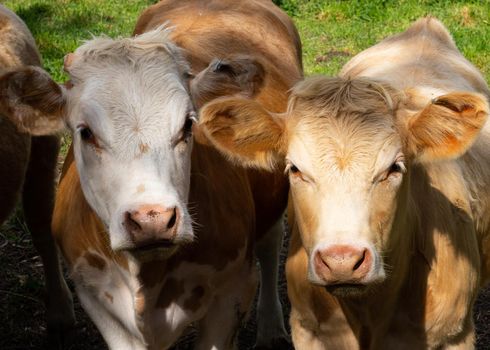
pixel 27 166
pixel 32 100
pixel 231 206
pixel 233 75
pixel 279 57
pixel 220 124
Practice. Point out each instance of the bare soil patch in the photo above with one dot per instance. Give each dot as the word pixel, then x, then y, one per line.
pixel 22 315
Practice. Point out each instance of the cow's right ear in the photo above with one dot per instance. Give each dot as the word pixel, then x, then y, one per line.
pixel 244 131
pixel 32 101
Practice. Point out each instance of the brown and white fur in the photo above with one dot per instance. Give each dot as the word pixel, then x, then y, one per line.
pixel 158 229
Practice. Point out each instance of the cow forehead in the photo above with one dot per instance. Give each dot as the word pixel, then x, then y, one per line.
pixel 127 107
pixel 343 146
pixel 135 83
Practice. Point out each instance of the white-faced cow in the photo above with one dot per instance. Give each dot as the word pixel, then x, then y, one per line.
pixel 157 228
pixel 27 169
pixel 389 168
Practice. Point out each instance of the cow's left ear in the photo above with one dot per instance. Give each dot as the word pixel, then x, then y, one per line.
pixel 32 101
pixel 447 127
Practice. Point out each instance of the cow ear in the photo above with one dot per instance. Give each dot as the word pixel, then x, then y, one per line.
pixel 236 74
pixel 447 127
pixel 244 131
pixel 32 101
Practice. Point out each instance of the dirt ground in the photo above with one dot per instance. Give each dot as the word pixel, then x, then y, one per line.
pixel 22 324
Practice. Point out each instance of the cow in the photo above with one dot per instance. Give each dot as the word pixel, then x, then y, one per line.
pixel 28 170
pixel 389 174
pixel 157 228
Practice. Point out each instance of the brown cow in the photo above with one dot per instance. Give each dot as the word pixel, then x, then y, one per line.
pixel 389 171
pixel 259 59
pixel 27 165
pixel 134 187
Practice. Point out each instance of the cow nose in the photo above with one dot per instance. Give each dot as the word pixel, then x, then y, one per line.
pixel 343 264
pixel 151 224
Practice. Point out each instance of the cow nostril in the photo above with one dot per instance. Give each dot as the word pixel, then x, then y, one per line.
pixel 361 260
pixel 172 220
pixel 130 223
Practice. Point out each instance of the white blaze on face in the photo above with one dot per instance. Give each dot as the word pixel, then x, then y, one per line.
pixel 137 149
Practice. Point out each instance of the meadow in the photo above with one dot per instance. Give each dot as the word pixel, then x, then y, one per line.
pixel 331 31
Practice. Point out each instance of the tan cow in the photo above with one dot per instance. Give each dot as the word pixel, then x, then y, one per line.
pixel 157 233
pixel 389 167
pixel 27 167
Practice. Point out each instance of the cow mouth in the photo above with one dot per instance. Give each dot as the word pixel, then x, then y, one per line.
pixel 154 250
pixel 347 289
pixel 163 244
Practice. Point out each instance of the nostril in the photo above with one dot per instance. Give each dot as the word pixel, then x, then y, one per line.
pixel 130 223
pixel 173 220
pixel 361 260
pixel 321 261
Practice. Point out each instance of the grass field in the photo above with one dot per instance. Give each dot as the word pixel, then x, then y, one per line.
pixel 331 31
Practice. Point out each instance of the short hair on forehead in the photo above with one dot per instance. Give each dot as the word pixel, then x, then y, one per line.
pixel 146 50
pixel 333 96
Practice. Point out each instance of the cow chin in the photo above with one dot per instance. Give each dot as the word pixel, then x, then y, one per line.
pixel 159 249
pixel 348 290
pixel 154 253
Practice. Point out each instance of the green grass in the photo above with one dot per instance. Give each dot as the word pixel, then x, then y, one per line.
pixel 331 31
pixel 60 26
pixel 336 29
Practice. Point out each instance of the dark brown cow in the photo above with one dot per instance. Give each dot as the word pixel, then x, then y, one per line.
pixel 27 167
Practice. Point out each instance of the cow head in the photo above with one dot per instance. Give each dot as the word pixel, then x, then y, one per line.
pixel 131 117
pixel 349 146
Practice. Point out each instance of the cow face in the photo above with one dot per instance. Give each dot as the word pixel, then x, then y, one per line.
pixel 349 146
pixel 131 121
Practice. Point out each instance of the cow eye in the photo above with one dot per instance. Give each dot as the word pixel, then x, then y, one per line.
pixel 222 67
pixel 187 129
pixel 293 169
pixel 395 168
pixel 86 134
pixel 398 167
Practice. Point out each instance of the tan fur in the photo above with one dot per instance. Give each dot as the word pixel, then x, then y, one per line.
pixel 27 166
pixel 312 306
pixel 221 126
pixel 450 120
pixel 417 92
